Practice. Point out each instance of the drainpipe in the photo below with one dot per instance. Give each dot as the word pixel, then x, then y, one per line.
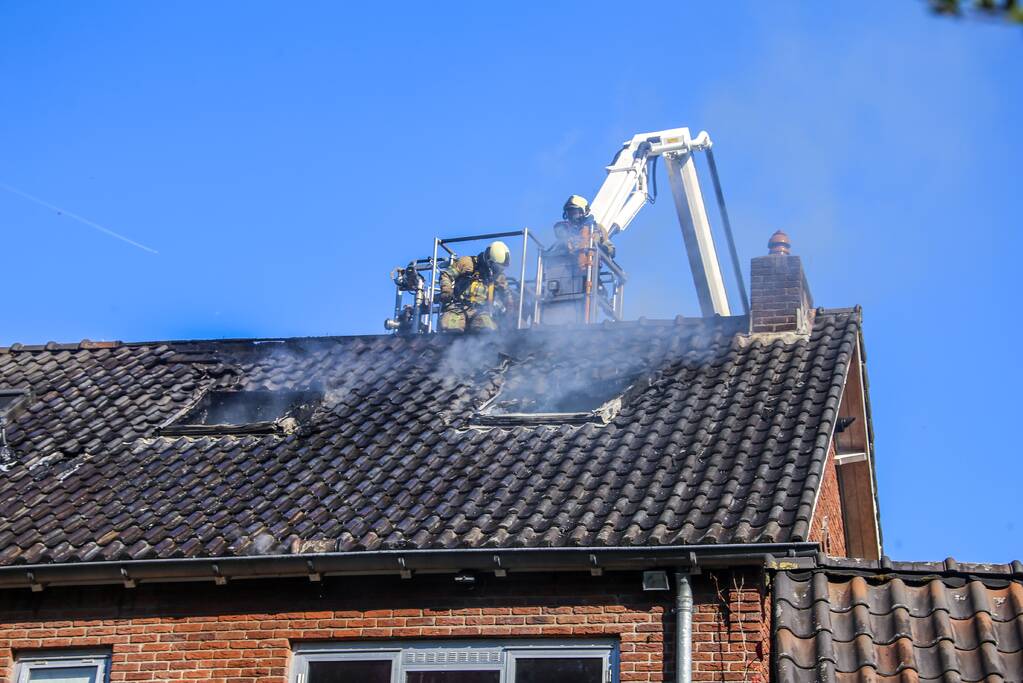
pixel 683 628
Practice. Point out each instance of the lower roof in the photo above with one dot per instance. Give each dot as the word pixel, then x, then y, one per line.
pixel 854 620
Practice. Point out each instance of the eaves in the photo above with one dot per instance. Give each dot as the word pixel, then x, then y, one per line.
pixel 406 563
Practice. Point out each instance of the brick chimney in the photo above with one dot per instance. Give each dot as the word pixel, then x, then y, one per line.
pixel 780 299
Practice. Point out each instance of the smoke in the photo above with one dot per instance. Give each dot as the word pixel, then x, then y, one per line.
pixel 547 370
pixel 545 387
pixel 261 543
pixel 551 369
pixel 308 365
pixel 466 356
pixel 232 407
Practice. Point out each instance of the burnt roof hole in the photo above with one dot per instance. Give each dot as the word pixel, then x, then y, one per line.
pixel 249 412
pixel 568 391
pixel 244 407
pixel 11 400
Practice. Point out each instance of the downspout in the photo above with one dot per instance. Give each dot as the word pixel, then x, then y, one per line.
pixel 683 628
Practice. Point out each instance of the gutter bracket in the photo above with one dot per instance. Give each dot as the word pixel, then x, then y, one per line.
pixel 595 570
pixel 405 572
pixel 500 571
pixel 694 564
pixel 789 563
pixel 314 575
pixel 218 578
pixel 33 584
pixel 128 581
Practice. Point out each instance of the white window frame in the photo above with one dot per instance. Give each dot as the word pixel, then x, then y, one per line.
pixel 38 660
pixel 510 651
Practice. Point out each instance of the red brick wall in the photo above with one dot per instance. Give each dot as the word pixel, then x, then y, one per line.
pixel 244 632
pixel 829 509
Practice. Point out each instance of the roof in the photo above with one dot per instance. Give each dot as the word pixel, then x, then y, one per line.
pixel 720 439
pixel 858 620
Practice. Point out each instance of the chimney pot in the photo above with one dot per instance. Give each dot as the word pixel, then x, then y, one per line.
pixel 779 243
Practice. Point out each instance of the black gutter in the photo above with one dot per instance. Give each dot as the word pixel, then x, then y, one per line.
pixel 403 563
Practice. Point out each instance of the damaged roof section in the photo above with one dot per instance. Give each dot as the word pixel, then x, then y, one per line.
pixel 712 442
pixel 244 412
pixel 549 390
pixel 869 621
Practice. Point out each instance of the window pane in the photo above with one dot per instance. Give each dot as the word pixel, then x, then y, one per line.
pixel 559 670
pixel 69 674
pixel 350 671
pixel 453 677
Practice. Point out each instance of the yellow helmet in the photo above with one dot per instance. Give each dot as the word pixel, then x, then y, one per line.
pixel 498 255
pixel 576 202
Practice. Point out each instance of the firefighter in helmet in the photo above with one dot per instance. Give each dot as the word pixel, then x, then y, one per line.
pixel 474 291
pixel 577 229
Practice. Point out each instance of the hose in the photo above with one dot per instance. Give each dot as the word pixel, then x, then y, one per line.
pixel 736 266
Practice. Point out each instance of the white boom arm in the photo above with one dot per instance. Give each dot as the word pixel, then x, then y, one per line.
pixel 626 190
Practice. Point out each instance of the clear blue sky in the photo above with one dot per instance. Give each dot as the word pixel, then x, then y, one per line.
pixel 282 158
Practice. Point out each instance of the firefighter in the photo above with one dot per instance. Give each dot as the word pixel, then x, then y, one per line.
pixel 574 232
pixel 474 292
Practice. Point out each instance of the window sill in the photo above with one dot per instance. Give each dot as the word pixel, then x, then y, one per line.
pixel 531 419
pixel 222 430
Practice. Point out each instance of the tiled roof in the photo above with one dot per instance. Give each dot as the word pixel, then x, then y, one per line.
pixel 899 621
pixel 720 439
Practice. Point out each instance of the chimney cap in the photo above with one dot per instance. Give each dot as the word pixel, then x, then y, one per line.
pixel 779 243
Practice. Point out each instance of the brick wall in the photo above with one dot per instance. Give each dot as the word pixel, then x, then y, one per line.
pixel 244 632
pixel 828 524
pixel 778 290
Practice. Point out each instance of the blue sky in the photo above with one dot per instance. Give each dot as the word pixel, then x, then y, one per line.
pixel 282 158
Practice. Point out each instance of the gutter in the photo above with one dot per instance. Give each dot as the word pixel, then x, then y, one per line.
pixel 402 563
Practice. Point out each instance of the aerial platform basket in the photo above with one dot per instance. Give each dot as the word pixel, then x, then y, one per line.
pixel 548 287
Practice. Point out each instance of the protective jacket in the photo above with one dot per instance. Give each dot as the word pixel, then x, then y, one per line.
pixel 472 295
pixel 575 239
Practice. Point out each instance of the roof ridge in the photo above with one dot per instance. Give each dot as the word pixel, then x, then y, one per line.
pixel 679 320
pixel 84 344
pixel 885 567
pixel 949 566
pixel 641 322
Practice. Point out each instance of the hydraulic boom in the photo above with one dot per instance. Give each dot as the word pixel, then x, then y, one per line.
pixel 631 183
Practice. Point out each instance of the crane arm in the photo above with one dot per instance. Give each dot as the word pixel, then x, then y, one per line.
pixel 627 189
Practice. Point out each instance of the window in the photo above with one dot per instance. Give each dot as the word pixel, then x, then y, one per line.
pixel 243 412
pixel 457 662
pixel 62 667
pixel 344 670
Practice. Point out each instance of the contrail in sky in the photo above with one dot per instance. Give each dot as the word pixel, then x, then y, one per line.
pixel 78 218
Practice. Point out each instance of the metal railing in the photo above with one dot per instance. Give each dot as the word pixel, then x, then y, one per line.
pixel 417 308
